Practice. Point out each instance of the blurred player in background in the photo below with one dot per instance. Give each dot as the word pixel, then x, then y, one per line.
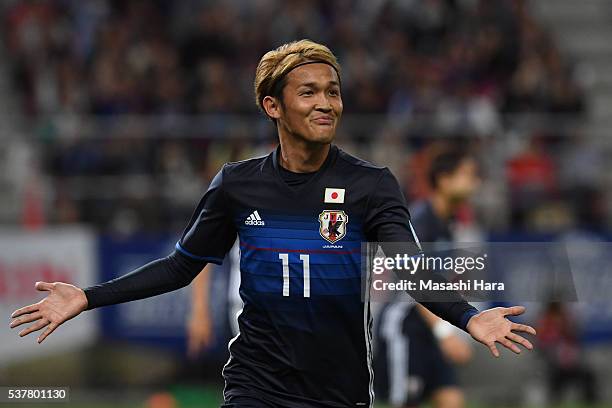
pixel 200 323
pixel 301 214
pixel 415 349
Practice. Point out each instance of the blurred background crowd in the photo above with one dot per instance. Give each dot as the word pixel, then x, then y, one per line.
pixel 126 109
pixel 117 114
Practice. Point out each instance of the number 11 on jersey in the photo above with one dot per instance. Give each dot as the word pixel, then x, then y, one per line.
pixel 305 258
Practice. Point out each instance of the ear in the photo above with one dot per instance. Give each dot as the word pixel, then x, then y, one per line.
pixel 272 107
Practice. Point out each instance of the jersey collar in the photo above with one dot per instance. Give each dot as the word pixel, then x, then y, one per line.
pixel 331 156
pixel 329 160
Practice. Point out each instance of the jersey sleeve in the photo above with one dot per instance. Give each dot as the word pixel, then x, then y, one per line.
pixel 387 217
pixel 388 221
pixel 161 276
pixel 211 232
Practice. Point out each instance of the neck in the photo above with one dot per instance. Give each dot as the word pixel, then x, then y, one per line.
pixel 300 156
pixel 441 206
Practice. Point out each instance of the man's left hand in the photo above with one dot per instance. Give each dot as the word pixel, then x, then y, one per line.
pixel 491 326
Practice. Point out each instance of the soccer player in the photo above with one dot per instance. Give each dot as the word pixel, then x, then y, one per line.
pixel 416 349
pixel 301 214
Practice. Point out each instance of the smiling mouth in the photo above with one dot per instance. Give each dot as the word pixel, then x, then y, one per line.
pixel 324 121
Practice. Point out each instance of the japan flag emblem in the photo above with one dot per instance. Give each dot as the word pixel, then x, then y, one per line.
pixel 334 195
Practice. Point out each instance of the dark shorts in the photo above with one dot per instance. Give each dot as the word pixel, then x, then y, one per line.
pixel 408 363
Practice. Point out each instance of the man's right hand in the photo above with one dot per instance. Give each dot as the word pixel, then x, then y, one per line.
pixel 63 302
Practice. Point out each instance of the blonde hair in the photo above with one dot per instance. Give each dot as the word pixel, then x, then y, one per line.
pixel 276 64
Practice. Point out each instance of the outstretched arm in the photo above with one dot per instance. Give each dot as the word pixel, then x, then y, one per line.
pixel 193 251
pixel 66 301
pixel 163 275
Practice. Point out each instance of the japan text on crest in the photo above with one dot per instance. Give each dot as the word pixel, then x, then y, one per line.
pixel 333 225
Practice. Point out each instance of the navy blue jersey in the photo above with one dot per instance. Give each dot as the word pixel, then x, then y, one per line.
pixel 304 329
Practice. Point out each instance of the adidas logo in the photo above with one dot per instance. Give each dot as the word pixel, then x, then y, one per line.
pixel 254 219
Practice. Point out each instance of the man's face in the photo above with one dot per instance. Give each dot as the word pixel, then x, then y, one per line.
pixel 463 182
pixel 312 105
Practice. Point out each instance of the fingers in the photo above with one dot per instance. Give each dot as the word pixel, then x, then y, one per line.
pixel 493 349
pixel 523 328
pixel 512 338
pixel 520 340
pixel 36 326
pixel 42 286
pixel 47 332
pixel 25 319
pixel 514 310
pixel 26 309
pixel 509 345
